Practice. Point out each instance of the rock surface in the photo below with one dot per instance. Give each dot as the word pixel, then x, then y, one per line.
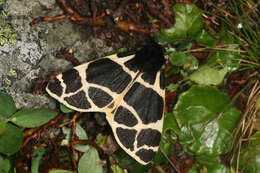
pixel 32 58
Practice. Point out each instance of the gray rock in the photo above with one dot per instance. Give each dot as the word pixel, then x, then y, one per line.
pixel 32 58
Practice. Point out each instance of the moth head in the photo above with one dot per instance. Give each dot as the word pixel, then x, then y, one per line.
pixel 149 58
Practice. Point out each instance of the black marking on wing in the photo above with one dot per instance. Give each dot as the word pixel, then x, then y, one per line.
pixel 126 137
pixel 72 80
pixel 78 100
pixel 162 80
pixel 149 59
pixel 106 72
pixel 145 155
pixel 124 116
pixel 149 77
pixel 149 137
pixel 99 97
pixel 55 87
pixel 147 103
pixel 130 64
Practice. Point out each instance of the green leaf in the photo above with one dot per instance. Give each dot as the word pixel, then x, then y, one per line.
pixel 65 109
pixel 60 171
pixel 127 162
pixel 206 119
pixel 166 148
pixel 205 39
pixel 37 155
pixel 206 75
pixel 249 160
pixel 217 168
pixel 117 169
pixel 172 87
pixel 7 105
pixel 2 127
pixel 90 161
pixel 225 58
pixel 33 117
pixel 11 140
pixel 81 134
pixel 195 169
pixel 188 22
pixel 178 58
pixel 170 123
pixel 5 165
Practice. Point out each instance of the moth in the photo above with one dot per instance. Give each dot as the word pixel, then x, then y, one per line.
pixel 129 89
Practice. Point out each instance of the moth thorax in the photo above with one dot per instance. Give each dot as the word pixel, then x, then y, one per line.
pixel 149 59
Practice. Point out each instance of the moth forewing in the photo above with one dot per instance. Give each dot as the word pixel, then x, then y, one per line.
pixel 78 90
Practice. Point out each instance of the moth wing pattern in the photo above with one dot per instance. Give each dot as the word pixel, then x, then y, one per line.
pixel 131 96
pixel 92 86
pixel 137 121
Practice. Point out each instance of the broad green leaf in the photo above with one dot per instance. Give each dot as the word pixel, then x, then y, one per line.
pixel 2 127
pixel 206 75
pixel 188 22
pixel 37 155
pixel 65 109
pixel 33 117
pixel 90 162
pixel 117 169
pixel 11 140
pixel 206 118
pixel 5 165
pixel 60 171
pixel 127 162
pixel 7 105
pixel 166 148
pixel 178 58
pixel 205 39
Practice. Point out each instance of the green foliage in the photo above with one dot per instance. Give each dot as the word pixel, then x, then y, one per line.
pixel 60 171
pixel 249 159
pixel 188 26
pixel 33 117
pixel 11 140
pixel 166 148
pixel 81 134
pixel 11 137
pixel 206 75
pixel 188 23
pixel 117 169
pixel 65 109
pixel 5 165
pixel 37 155
pixel 127 162
pixel 206 119
pixel 2 127
pixel 7 105
pixel 90 161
